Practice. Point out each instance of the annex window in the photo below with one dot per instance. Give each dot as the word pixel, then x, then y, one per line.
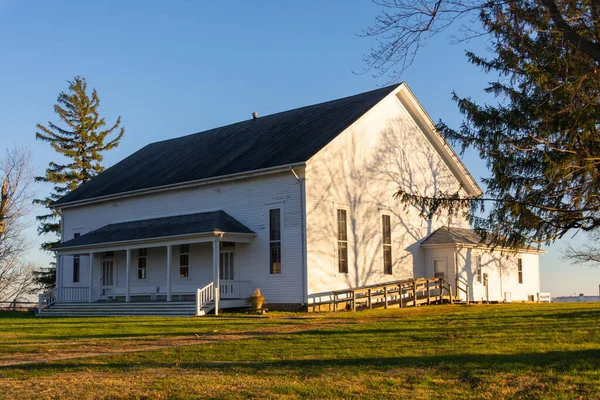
pixel 184 261
pixel 342 241
pixel 387 244
pixel 520 269
pixel 142 262
pixel 275 240
pixel 478 269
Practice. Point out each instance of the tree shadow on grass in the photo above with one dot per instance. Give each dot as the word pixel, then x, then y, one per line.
pixel 556 361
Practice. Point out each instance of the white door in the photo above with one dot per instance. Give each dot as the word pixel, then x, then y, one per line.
pixel 227 275
pixel 108 277
pixel 226 268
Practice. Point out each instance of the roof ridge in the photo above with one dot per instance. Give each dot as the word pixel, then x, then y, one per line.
pixel 278 113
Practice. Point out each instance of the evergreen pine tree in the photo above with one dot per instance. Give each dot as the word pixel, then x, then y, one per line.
pixel 81 141
pixel 541 141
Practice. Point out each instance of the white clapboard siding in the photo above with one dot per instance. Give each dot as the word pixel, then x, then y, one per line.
pixel 360 171
pixel 246 200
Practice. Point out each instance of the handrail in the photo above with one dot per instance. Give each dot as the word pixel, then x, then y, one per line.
pixel 204 296
pixel 45 300
pixel 403 293
pixel 465 290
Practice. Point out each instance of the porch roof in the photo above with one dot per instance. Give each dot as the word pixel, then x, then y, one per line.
pixel 211 223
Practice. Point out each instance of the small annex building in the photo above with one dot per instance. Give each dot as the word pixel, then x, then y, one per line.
pixel 298 203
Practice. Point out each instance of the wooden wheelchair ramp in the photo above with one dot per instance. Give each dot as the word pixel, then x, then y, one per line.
pixel 403 293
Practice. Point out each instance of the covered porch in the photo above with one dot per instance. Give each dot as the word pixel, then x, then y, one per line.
pixel 180 258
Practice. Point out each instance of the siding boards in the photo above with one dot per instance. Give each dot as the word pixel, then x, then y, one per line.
pixel 360 170
pixel 246 200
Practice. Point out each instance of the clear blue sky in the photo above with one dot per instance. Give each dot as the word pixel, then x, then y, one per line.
pixel 173 68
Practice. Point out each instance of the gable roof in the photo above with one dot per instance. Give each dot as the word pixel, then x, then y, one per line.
pixel 180 225
pixel 286 138
pixel 448 236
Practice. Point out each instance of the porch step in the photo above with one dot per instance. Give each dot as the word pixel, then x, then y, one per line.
pixel 205 309
pixel 179 308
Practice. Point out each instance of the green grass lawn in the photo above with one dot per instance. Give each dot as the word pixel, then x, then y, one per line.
pixel 497 351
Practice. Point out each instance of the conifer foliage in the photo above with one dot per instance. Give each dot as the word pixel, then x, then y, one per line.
pixel 80 140
pixel 541 140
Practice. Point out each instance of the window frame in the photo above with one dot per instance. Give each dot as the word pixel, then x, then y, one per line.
pixel 184 253
pixel 445 260
pixel 76 272
pixel 520 271
pixel 342 241
pixel 386 243
pixel 275 242
pixel 76 269
pixel 478 270
pixel 142 272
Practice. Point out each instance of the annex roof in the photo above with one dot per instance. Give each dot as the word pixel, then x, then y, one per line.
pixel 448 235
pixel 190 224
pixel 280 139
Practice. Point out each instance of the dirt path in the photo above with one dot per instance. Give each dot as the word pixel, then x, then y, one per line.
pixel 82 349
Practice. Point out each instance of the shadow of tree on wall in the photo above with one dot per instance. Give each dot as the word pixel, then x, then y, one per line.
pixel 503 265
pixel 362 177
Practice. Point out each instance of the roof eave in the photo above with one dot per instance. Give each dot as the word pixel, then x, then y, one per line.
pixel 481 246
pixel 157 242
pixel 181 185
pixel 470 185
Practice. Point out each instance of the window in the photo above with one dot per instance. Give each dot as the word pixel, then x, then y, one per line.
pixel 439 268
pixel 275 240
pixel 520 269
pixel 142 254
pixel 478 269
pixel 76 263
pixel 387 244
pixel 342 240
pixel 76 268
pixel 184 261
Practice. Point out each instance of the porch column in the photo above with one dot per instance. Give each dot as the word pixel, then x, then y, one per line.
pixel 169 273
pixel 216 281
pixel 59 272
pixel 127 268
pixel 91 279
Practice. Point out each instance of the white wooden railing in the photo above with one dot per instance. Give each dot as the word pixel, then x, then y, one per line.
pixel 235 289
pixel 79 294
pixel 204 295
pixel 45 300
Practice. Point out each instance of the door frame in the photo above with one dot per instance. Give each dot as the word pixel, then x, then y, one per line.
pixel 104 288
pixel 230 252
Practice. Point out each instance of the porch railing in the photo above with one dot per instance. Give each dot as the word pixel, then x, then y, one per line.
pixel 235 289
pixel 203 296
pixel 73 294
pixel 45 300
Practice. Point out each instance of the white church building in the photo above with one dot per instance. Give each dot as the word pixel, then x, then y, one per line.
pixel 298 203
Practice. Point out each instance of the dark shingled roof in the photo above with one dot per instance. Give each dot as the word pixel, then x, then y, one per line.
pixel 446 235
pixel 279 139
pixel 189 224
